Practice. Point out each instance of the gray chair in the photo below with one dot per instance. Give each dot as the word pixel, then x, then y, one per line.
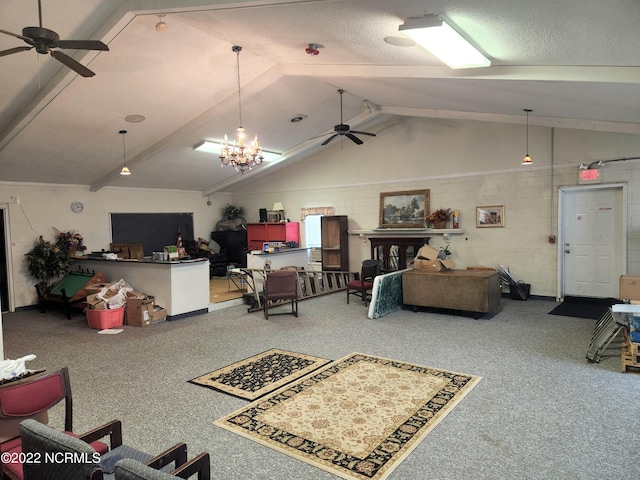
pixel 129 469
pixel 69 458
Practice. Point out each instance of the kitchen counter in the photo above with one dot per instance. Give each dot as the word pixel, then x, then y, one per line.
pixel 179 286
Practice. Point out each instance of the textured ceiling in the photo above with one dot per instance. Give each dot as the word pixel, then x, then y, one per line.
pixel 575 64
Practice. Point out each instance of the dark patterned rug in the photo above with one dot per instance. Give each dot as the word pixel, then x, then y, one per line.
pixel 357 417
pixel 261 374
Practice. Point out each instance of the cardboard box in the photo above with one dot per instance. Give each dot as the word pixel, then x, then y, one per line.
pixel 427 259
pixel 159 314
pixel 95 287
pixel 96 303
pixel 430 265
pixel 139 311
pixel 630 287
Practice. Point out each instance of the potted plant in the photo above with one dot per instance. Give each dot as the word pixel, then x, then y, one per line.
pixel 232 218
pixel 438 218
pixel 444 252
pixel 46 264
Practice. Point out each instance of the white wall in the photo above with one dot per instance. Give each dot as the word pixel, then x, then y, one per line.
pixel 464 164
pixel 43 207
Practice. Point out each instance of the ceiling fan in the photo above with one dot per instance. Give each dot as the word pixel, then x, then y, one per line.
pixel 45 40
pixel 345 130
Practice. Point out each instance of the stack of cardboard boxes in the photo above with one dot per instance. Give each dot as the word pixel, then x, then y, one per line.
pixel 140 308
pixel 141 311
pixel 428 259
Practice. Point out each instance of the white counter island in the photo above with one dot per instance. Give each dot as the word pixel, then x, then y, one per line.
pixel 180 287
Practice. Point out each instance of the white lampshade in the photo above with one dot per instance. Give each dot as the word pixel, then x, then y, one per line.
pixel 278 206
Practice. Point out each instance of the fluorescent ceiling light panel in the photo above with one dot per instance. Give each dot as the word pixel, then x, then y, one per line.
pixel 436 36
pixel 215 147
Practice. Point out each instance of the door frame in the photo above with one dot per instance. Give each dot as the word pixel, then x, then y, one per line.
pixel 4 211
pixel 560 257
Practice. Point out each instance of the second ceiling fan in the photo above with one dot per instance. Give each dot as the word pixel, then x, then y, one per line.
pixel 345 130
pixel 45 40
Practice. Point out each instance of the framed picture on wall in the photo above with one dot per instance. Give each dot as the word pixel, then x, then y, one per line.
pixel 492 216
pixel 404 209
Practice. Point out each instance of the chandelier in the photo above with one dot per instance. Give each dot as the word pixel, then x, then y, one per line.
pixel 239 155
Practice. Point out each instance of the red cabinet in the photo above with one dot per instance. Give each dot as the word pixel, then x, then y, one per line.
pixel 259 233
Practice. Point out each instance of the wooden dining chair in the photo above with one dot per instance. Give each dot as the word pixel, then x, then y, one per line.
pixel 362 286
pixel 280 287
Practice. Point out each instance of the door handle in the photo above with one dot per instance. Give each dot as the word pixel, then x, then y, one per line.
pixel 567 251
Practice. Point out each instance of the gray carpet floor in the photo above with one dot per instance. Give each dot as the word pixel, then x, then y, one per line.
pixel 541 410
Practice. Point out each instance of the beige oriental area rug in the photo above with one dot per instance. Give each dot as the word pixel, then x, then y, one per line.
pixel 260 374
pixel 357 417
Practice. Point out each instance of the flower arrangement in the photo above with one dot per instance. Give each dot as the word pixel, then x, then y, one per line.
pixel 439 216
pixel 70 241
pixel 229 212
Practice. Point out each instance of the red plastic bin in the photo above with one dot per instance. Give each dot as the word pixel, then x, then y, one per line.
pixel 103 319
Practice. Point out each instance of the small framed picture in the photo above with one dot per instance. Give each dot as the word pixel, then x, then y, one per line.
pixel 492 216
pixel 273 216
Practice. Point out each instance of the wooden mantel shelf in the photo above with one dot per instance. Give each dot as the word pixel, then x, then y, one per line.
pixel 407 232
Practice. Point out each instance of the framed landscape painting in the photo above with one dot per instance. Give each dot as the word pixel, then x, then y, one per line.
pixel 490 216
pixel 404 209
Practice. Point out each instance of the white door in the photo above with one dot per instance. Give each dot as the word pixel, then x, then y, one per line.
pixel 593 245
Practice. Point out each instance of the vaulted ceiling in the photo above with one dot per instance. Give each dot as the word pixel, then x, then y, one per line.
pixel 575 64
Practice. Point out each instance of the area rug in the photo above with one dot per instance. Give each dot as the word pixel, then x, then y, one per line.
pixel 584 307
pixel 261 374
pixel 357 417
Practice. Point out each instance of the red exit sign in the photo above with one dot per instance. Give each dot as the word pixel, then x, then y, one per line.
pixel 592 175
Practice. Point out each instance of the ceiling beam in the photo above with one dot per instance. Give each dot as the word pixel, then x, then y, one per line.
pixel 624 75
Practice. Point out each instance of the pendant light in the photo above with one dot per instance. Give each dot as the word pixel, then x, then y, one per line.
pixel 527 159
pixel 239 155
pixel 125 170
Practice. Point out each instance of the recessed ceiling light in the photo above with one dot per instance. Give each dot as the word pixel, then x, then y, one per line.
pixel 400 41
pixel 297 118
pixel 135 118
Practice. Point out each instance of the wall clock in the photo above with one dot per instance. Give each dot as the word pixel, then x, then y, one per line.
pixel 77 207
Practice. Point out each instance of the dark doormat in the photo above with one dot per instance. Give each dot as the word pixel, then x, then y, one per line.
pixel 584 307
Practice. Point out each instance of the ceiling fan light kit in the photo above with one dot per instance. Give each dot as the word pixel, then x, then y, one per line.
pixel 345 130
pixel 45 40
pixel 435 35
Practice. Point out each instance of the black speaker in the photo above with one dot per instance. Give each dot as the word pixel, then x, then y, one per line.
pixel 263 215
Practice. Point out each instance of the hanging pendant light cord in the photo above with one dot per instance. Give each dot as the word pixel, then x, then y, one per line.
pixel 237 49
pixel 527 131
pixel 124 150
